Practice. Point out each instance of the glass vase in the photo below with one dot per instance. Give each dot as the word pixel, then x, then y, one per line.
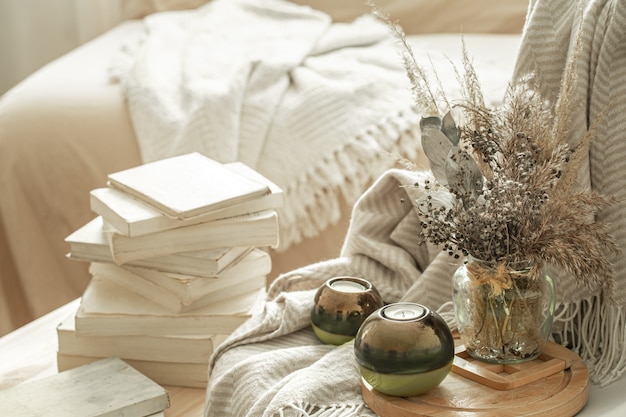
pixel 504 313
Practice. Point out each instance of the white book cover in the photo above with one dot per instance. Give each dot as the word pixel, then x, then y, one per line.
pixel 186 185
pixel 181 293
pixel 109 309
pixel 161 296
pixel 131 216
pixel 89 243
pixel 188 375
pixel 254 229
pixel 159 348
pixel 189 288
pixel 123 391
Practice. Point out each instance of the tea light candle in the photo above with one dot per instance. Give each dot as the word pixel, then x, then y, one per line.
pixel 404 349
pixel 403 311
pixel 340 306
pixel 347 285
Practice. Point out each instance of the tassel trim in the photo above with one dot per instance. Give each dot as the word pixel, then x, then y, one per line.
pixel 596 331
pixel 308 410
pixel 315 197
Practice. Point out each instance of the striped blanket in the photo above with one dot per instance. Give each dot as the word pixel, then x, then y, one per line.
pixel 274 364
pixel 315 106
pixel 552 30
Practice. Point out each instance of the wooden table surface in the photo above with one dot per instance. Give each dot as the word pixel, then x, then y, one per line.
pixel 29 353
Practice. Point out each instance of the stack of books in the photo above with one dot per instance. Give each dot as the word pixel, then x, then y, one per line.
pixel 178 261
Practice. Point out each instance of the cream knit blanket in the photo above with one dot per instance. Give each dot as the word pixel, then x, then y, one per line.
pixel 274 365
pixel 595 329
pixel 315 106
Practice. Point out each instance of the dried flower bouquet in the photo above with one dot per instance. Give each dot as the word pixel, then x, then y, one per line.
pixel 505 190
pixel 505 179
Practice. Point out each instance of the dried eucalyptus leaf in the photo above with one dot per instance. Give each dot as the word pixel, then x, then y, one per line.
pixel 450 129
pixel 433 122
pixel 436 146
pixel 462 173
pixel 454 176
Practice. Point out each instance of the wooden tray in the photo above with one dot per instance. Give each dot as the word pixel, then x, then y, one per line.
pixel 556 385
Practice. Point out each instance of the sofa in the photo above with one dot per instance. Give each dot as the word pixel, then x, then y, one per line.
pixel 63 129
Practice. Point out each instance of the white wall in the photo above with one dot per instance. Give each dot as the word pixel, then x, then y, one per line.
pixel 34 32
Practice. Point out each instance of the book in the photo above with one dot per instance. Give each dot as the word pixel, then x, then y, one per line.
pixel 89 243
pixel 254 229
pixel 169 301
pixel 157 348
pixel 186 185
pixel 247 275
pixel 104 388
pixel 109 309
pixel 133 217
pixel 189 288
pixel 189 375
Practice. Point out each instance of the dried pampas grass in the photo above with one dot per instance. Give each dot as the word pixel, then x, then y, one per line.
pixel 505 186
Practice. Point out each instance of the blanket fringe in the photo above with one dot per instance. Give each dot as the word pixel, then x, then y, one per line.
pixel 446 311
pixel 316 196
pixel 596 331
pixel 308 410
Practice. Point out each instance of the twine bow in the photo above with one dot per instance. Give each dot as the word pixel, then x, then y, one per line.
pixel 499 278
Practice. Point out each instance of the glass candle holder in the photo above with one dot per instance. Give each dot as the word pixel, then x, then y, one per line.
pixel 404 349
pixel 341 306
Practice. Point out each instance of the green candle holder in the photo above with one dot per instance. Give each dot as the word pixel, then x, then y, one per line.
pixel 341 306
pixel 404 349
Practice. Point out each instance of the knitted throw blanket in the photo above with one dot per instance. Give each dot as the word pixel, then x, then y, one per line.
pixel 595 329
pixel 274 365
pixel 314 106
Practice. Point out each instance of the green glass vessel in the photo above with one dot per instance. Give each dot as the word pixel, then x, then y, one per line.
pixel 341 306
pixel 404 349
